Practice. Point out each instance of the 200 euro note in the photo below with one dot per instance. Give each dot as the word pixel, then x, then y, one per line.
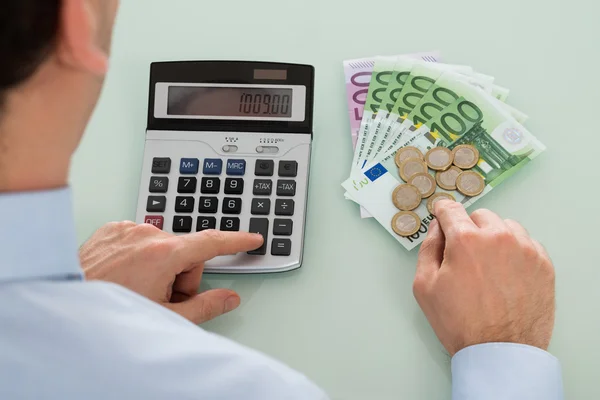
pixel 505 146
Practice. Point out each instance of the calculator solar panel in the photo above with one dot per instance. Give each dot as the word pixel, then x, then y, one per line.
pixel 228 147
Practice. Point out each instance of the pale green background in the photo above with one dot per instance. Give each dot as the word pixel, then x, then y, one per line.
pixel 348 319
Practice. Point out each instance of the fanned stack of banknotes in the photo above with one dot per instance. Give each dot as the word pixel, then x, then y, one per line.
pixel 402 110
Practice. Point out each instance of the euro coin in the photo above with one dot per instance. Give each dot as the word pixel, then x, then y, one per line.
pixel 437 197
pixel 406 223
pixel 465 156
pixel 447 179
pixel 470 183
pixel 407 152
pixel 439 158
pixel 410 167
pixel 424 182
pixel 406 197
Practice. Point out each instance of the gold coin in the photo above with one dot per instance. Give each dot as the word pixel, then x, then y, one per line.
pixel 406 197
pixel 470 183
pixel 465 156
pixel 424 182
pixel 410 167
pixel 437 197
pixel 439 158
pixel 447 179
pixel 406 223
pixel 407 152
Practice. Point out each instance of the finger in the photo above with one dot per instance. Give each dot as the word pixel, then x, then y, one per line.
pixel 431 253
pixel 203 246
pixel 486 219
pixel 206 306
pixel 517 229
pixel 453 218
pixel 187 283
pixel 541 249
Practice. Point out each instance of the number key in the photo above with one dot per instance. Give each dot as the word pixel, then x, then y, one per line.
pixel 209 205
pixel 159 184
pixel 210 185
pixel 205 223
pixel 232 206
pixel 187 185
pixel 182 224
pixel 234 186
pixel 184 204
pixel 230 224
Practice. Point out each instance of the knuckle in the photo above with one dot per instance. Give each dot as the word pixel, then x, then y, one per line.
pixel 214 235
pixel 466 236
pixel 146 229
pixel 420 286
pixel 481 212
pixel 503 237
pixel 530 251
pixel 207 311
pixel 160 248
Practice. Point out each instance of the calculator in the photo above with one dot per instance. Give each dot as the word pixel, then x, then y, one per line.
pixel 228 147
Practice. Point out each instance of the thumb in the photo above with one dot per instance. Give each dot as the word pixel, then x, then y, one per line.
pixel 431 253
pixel 207 305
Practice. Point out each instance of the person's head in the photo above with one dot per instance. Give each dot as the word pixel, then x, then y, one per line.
pixel 53 60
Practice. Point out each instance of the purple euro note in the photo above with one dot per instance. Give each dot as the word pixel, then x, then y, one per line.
pixel 358 77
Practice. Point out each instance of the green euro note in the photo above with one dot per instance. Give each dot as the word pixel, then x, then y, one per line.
pixel 475 118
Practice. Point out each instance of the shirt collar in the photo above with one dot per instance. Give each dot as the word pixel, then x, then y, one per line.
pixel 37 236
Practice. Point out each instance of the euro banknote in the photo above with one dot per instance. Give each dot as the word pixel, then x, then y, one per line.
pixel 475 118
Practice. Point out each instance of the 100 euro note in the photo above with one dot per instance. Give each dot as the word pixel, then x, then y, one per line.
pixel 505 146
pixel 358 77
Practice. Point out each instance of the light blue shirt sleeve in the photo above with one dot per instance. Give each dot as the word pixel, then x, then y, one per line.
pixel 501 371
pixel 64 338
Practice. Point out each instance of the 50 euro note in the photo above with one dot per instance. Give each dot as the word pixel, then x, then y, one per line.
pixel 505 146
pixel 358 74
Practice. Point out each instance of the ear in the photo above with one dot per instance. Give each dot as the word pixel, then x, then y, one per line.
pixel 77 40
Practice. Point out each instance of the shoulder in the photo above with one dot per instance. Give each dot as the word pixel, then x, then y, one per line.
pixel 108 342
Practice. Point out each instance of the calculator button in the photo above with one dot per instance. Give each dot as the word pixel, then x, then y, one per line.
pixel 210 185
pixel 288 169
pixel 234 186
pixel 236 167
pixel 208 205
pixel 182 224
pixel 205 223
pixel 260 207
pixel 230 224
pixel 156 204
pixel 283 227
pixel 260 225
pixel 184 204
pixel 159 184
pixel 212 166
pixel 156 220
pixel 286 188
pixel 232 205
pixel 281 247
pixel 189 166
pixel 284 207
pixel 187 184
pixel 264 168
pixel 161 165
pixel 263 187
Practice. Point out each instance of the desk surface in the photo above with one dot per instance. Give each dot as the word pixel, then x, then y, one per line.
pixel 348 319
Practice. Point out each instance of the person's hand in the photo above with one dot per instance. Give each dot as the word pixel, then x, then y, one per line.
pixel 481 279
pixel 165 268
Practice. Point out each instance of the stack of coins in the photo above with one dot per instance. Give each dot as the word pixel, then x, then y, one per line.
pixel 452 172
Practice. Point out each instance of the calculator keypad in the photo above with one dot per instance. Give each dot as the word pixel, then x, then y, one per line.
pixel 224 213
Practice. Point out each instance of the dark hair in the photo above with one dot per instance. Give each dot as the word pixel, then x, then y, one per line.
pixel 28 29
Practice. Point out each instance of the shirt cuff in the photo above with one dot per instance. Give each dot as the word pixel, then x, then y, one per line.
pixel 505 371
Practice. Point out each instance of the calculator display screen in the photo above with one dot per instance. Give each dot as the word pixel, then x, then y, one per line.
pixel 251 102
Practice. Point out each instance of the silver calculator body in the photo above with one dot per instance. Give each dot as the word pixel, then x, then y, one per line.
pixel 228 147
